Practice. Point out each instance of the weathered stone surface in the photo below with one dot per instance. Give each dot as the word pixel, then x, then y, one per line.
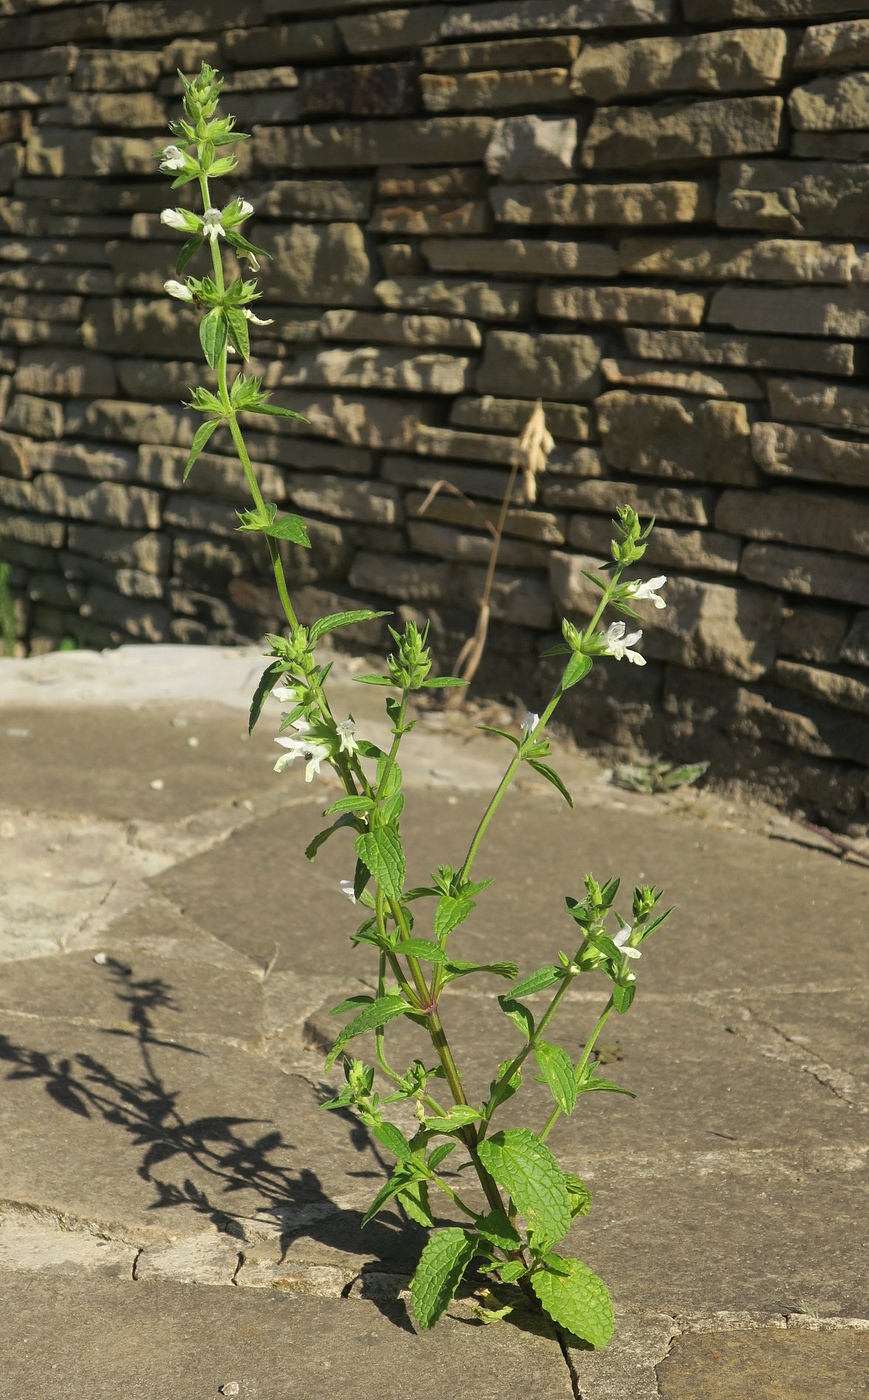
pixel 218 476
pixel 816 401
pixel 855 646
pixel 335 144
pixel 781 1365
pixel 374 502
pixel 844 45
pixel 106 502
pixel 552 366
pixel 309 454
pixel 810 454
pixel 59 151
pixel 146 621
pixel 796 517
pixel 430 217
pixel 813 633
pixel 806 310
pixel 532 148
pixel 34 30
pixel 390 329
pixel 35 417
pixel 698 11
pixel 476 447
pixel 372 421
pixel 446 542
pixel 510 416
pixel 818 198
pixel 370 90
pixel 824 145
pixel 23 529
pixel 148 19
pixel 621 137
pixel 560 50
pixel 735 60
pixel 657 202
pixel 486 483
pixel 808 571
pixel 539 527
pixel 493 90
pixel 374 368
pixel 747 259
pixel 720 384
pixel 531 16
pixel 66 374
pixel 391 29
pixel 430 182
pixel 668 306
pixel 116 70
pixel 692 550
pixel 748 351
pixel 121 549
pixel 676 504
pixel 490 301
pixel 534 257
pixel 115 109
pixel 845 692
pixel 16 456
pixel 838 103
pixel 83 459
pixel 691 440
pixel 707 626
pixel 521 598
pixel 114 420
pixel 315 263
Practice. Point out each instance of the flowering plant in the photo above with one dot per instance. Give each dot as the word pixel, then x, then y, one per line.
pixel 530 1203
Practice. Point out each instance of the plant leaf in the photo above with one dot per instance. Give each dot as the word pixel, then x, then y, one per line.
pixel 551 777
pixel 496 1228
pixel 623 996
pixel 377 1014
pixel 458 968
pixel 393 1140
pixel 190 249
pixel 414 1199
pixel 525 1167
pixel 459 1117
pixel 238 329
pixel 354 803
pixel 382 853
pixel 439 1155
pixel 439 1273
pixel 212 334
pixel 288 527
pixel 576 670
pixel 580 1196
pixel 267 681
pixel 518 1014
pixel 576 1299
pixel 421 948
pixel 343 619
pixel 449 914
pixel 556 1067
pixel 200 441
pixel 397 1182
pixel 442 682
pixel 536 982
pixel 347 819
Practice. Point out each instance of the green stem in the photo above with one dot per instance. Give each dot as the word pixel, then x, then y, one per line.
pixel 556 1112
pixel 454 1196
pixel 520 1059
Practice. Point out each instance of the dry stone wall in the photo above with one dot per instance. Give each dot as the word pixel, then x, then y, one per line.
pixel 652 214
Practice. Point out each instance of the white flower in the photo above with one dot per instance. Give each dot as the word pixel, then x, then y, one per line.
pixel 289 694
pixel 211 225
pixel 619 646
pixel 648 592
pixel 311 754
pixel 621 942
pixel 173 158
pixel 179 290
pixel 255 320
pixel 529 723
pixel 348 890
pixel 245 209
pixel 176 218
pixel 346 730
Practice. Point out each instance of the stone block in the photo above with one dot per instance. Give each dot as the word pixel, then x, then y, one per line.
pixel 645 204
pixel 694 550
pixel 559 51
pixel 38 63
pixel 796 517
pixel 734 60
pixel 163 467
pixel 532 148
pixel 699 11
pixel 116 70
pixel 744 259
pixel 711 384
pixel 685 439
pixel 486 483
pixel 474 447
pixel 520 598
pixel 511 415
pixel 257 80
pixel 668 306
pixel 55 27
pixel 677 505
pixel 389 30
pixel 121 549
pixel 24 530
pixel 855 646
pixel 816 198
pixel 494 90
pixel 748 351
pixel 369 90
pixel 371 367
pixel 157 19
pixel 371 421
pixel 199 513
pixel 255 108
pixel 147 621
pixel 60 151
pixel 811 572
pixel 845 692
pixel 839 103
pixel 536 526
pixel 435 141
pixel 534 16
pixel 305 42
pixel 810 454
pixel 130 583
pixel 140 327
pixel 342 498
pixel 824 145
pixel 621 137
pixel 118 110
pixel 309 454
pixel 11 166
pixel 817 401
pixel 64 373
pixel 105 502
pixel 795 310
pixel 114 420
pixel 388 328
pixel 524 256
pixel 550 366
pixel 446 542
pixel 814 634
pixel 487 301
pixel 313 263
pixel 16 456
pixel 430 182
pixel 432 217
pixel 84 460
pixel 34 417
pixel 843 45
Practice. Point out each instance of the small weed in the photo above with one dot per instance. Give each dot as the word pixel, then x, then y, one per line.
pixel 657 776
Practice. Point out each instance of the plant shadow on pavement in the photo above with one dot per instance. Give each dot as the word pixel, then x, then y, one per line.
pixel 215 1146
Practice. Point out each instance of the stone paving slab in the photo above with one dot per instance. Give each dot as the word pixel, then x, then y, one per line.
pixel 782 1365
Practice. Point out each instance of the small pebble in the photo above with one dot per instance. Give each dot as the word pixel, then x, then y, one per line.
pixel 157 784
pixel 193 742
pixel 231 1388
pixel 18 733
pixel 101 959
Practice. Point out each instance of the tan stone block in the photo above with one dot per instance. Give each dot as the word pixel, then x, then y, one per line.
pixel 809 454
pixel 816 401
pixel 541 527
pixel 64 373
pixel 371 367
pixel 429 182
pixel 315 263
pixel 35 417
pixel 388 30
pixel 686 439
pixel 720 384
pixel 794 311
pixel 532 148
pixel 148 19
pixel 667 306
pixel 559 50
pixel 749 351
pixel 796 517
pixel 541 16
pixel 502 415
pixel 474 447
pixel 428 217
pixel 375 502
pixel 494 90
pixel 807 571
pixel 640 136
pixel 532 257
pixel 332 201
pixel 843 45
pixel 446 542
pixel 116 109
pixel 486 483
pixel 106 502
pixel 369 89
pixel 813 633
pixel 678 505
pixel 305 42
pixel 839 103
pixel 735 60
pixel 745 259
pixel 387 328
pixel 218 476
pixel 550 366
pixel 488 301
pixel 854 648
pixel 369 421
pixel 693 550
pixel 116 70
pixel 699 11
pixel 817 198
pixel 656 202
pixel 437 140
pixel 845 692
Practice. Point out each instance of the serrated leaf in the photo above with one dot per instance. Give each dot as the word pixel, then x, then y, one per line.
pixel 393 1140
pixel 382 853
pixel 414 1200
pixel 536 982
pixel 457 968
pixel 200 441
pixel 575 671
pixel 440 1154
pixel 459 1117
pixel 288 527
pixel 551 777
pixel 496 1228
pixel 512 1271
pixel 556 1067
pixel 439 1273
pixel 393 809
pixel 354 803
pixel 397 1182
pixel 450 913
pixel 352 1004
pixel 377 1014
pixel 392 773
pixel 212 335
pixel 343 619
pixel 527 1170
pixel 580 1196
pixel 623 996
pixel 518 1014
pixel 576 1299
pixel 238 329
pixel 421 948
